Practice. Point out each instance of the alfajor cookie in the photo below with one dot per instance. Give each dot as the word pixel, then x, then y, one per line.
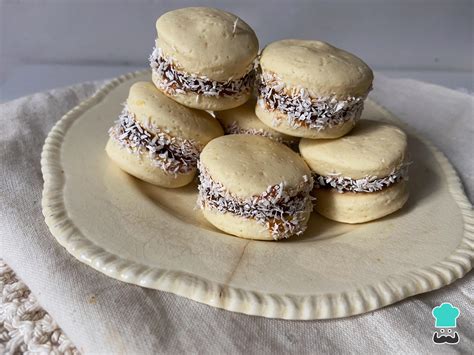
pixel 311 89
pixel 204 58
pixel 158 140
pixel 242 120
pixel 361 176
pixel 247 188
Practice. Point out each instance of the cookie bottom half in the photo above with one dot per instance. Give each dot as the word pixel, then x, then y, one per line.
pixel 241 227
pixel 201 102
pixel 352 207
pixel 142 168
pixel 269 117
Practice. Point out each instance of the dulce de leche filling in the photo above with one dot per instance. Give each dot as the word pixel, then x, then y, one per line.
pixel 175 81
pixel 301 109
pixel 171 154
pixel 367 184
pixel 281 211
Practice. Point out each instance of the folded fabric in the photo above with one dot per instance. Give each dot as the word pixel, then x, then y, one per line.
pixel 100 314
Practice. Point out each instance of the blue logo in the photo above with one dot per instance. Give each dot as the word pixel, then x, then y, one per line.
pixel 446 316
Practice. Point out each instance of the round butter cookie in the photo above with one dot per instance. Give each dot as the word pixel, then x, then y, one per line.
pixel 361 176
pixel 255 188
pixel 311 89
pixel 158 140
pixel 204 58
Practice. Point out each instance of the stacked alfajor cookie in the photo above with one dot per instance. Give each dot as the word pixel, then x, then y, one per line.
pixel 158 140
pixel 251 184
pixel 242 120
pixel 204 58
pixel 254 187
pixel 313 90
pixel 361 176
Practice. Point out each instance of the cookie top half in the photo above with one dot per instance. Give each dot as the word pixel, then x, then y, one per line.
pixel 247 165
pixel 372 149
pixel 208 42
pixel 319 67
pixel 155 110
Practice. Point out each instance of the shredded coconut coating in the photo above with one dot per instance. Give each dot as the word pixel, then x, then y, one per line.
pixel 366 184
pixel 174 81
pixel 234 128
pixel 281 211
pixel 301 109
pixel 171 154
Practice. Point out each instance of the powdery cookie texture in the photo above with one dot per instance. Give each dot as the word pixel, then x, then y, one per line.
pixel 242 120
pixel 204 58
pixel 246 188
pixel 158 140
pixel 311 89
pixel 361 176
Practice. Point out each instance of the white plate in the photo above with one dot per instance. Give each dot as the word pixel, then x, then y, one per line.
pixel 153 237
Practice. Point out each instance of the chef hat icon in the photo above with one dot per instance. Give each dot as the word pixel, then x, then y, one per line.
pixel 445 315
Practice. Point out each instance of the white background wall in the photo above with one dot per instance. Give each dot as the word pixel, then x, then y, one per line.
pixel 41 39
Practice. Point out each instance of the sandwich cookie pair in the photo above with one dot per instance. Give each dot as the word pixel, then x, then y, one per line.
pixel 204 58
pixel 247 188
pixel 242 120
pixel 361 176
pixel 158 140
pixel 311 89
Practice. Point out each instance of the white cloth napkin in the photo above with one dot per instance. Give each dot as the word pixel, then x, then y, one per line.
pixel 100 314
